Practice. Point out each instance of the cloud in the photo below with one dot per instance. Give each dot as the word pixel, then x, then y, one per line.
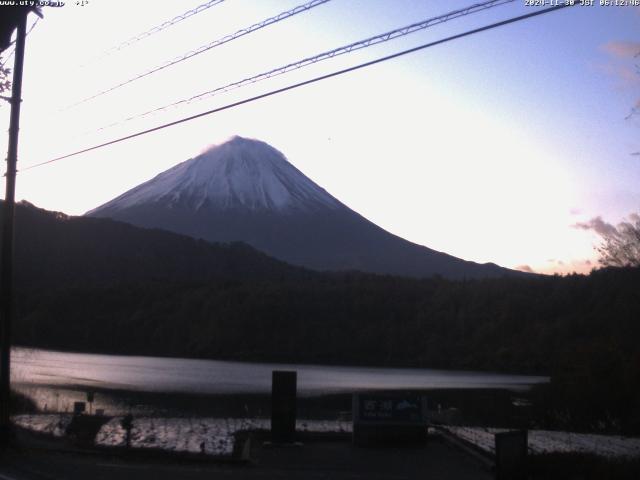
pixel 622 63
pixel 598 225
pixel 626 73
pixel 525 268
pixel 621 49
pixel 559 267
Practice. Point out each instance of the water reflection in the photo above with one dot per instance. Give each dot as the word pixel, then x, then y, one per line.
pixel 57 379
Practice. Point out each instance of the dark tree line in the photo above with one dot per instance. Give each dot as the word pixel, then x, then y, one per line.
pixel 525 325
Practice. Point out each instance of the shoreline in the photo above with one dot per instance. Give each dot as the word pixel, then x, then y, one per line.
pixel 479 406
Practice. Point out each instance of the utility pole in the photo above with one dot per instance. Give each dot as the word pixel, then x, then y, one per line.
pixel 6 272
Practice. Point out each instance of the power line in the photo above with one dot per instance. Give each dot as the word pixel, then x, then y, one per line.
pixel 307 82
pixel 216 43
pixel 368 42
pixel 4 62
pixel 156 29
pixel 33 25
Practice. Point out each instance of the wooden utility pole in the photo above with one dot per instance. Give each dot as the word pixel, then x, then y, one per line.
pixel 6 272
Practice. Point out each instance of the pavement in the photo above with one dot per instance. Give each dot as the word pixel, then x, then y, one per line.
pixel 314 459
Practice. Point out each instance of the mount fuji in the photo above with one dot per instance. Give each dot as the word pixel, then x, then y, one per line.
pixel 245 190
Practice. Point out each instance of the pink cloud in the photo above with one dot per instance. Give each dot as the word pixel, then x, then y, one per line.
pixel 525 268
pixel 626 72
pixel 622 49
pixel 559 267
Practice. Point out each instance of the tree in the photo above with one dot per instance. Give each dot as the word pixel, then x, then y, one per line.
pixel 5 83
pixel 621 246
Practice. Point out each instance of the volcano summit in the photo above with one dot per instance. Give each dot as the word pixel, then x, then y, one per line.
pixel 245 190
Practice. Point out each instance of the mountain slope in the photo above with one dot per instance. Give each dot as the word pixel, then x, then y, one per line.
pixel 53 250
pixel 245 190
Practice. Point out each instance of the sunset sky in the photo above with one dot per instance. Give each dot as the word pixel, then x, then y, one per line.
pixel 495 147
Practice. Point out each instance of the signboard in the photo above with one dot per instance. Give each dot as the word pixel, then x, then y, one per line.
pixel 390 408
pixel 389 417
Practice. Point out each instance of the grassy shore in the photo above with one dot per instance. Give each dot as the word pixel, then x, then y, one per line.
pixel 471 406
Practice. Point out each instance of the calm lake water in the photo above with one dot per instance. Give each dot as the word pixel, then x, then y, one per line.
pixel 152 374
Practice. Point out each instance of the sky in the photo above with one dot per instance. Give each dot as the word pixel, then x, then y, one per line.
pixel 510 146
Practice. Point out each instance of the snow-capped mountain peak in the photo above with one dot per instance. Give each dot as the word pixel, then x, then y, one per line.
pixel 240 173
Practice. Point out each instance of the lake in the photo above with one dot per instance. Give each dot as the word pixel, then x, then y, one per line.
pixel 154 374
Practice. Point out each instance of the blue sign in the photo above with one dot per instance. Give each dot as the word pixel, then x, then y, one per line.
pixel 390 408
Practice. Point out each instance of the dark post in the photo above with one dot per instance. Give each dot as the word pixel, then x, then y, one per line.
pixel 511 455
pixel 90 397
pixel 79 408
pixel 283 406
pixel 6 274
pixel 127 425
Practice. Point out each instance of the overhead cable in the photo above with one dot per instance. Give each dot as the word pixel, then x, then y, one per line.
pixel 368 42
pixel 156 29
pixel 304 83
pixel 33 25
pixel 203 48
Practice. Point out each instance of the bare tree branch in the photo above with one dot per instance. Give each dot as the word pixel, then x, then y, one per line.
pixel 621 247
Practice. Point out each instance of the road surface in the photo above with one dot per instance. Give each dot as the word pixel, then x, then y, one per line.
pixel 314 460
